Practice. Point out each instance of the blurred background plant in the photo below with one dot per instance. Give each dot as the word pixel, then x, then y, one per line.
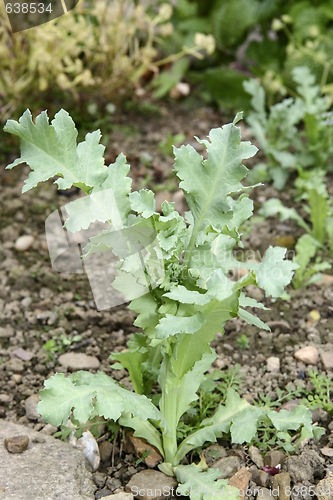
pixel 113 51
pixel 259 38
pixel 99 50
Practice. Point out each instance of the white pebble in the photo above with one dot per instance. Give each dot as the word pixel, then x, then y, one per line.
pixel 309 355
pixel 24 242
pixel 273 364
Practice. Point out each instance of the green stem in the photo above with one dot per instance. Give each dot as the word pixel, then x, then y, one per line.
pixel 168 407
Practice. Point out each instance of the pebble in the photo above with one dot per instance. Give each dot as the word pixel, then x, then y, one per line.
pixel 26 302
pixel 79 361
pixel 2 412
pixel 30 407
pixel 213 453
pixel 16 444
pixel 105 493
pixel 120 496
pixel 228 466
pixel 7 332
pixel 327 360
pixel 141 447
pixel 22 354
pixel 99 479
pixel 274 458
pixel 49 429
pixel 282 325
pixel 327 452
pixel 256 457
pixel 161 197
pixel 4 398
pixel 308 355
pixel 14 365
pixel 324 489
pixel 24 242
pixel 105 450
pixel 178 198
pixel 16 378
pixel 255 293
pixel 281 483
pixel 260 477
pixel 150 482
pixel 273 364
pixel 305 466
pixel 241 481
pixel 265 494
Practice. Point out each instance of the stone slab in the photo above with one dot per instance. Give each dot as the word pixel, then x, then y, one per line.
pixel 48 470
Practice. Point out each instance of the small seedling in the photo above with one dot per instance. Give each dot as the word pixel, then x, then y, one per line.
pixel 243 342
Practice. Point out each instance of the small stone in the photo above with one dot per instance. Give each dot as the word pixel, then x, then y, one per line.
pixel 327 452
pixel 102 494
pixel 260 477
pixel 327 360
pixel 274 458
pixel 161 197
pixel 181 89
pixel 113 483
pixel 147 484
pixel 79 361
pixel 228 466
pixel 255 293
pixel 105 450
pixel 330 425
pixel 324 489
pixel 308 355
pixel 273 364
pixel 99 479
pixel 49 429
pixel 7 332
pixel 326 279
pixel 24 242
pixel 120 496
pixel 213 453
pixel 264 494
pixel 16 378
pixel 30 407
pixel 289 405
pixel 2 412
pixel 281 483
pixel 256 457
pixel 305 466
pixel 22 354
pixel 142 447
pixel 14 365
pixel 4 398
pixel 248 398
pixel 179 200
pixel 282 325
pixel 38 439
pixel 241 481
pixel 26 302
pixel 16 444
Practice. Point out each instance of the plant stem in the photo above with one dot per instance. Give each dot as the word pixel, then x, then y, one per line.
pixel 168 407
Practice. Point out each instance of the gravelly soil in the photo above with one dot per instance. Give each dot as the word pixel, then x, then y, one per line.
pixel 38 304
